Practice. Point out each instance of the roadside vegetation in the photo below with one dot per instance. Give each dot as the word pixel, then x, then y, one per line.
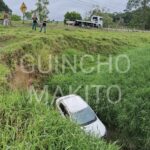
pixel 32 125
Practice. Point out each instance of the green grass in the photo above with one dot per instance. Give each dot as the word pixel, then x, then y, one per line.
pixel 26 125
pixel 130 117
pixel 4 72
pixel 35 126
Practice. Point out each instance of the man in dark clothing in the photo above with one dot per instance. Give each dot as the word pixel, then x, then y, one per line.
pixel 43 26
pixel 34 24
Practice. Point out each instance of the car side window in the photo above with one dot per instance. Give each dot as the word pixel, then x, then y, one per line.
pixel 63 109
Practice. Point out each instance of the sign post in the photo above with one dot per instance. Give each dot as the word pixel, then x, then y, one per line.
pixel 23 9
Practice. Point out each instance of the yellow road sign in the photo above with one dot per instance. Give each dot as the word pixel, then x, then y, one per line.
pixel 23 7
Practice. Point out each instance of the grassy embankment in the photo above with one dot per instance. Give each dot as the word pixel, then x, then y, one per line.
pixel 36 126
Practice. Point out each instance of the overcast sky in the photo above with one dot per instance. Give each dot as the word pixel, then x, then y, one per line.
pixel 58 8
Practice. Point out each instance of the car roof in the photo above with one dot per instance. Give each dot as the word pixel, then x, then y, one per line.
pixel 73 103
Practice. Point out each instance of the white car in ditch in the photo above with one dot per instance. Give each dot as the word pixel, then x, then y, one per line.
pixel 75 108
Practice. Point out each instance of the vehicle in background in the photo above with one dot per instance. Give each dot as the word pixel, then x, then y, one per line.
pixel 96 22
pixel 78 111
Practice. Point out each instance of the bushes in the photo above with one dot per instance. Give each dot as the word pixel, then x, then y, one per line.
pixel 72 16
pixel 15 18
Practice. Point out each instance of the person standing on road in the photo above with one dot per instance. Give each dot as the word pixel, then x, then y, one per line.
pixel 34 23
pixel 6 19
pixel 43 26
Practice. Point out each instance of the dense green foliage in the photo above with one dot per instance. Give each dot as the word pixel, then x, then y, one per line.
pixel 137 3
pixel 28 15
pixel 134 19
pixel 41 9
pixel 15 17
pixel 72 16
pixel 137 15
pixel 3 6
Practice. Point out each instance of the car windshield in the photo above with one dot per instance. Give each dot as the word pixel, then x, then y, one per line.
pixel 84 117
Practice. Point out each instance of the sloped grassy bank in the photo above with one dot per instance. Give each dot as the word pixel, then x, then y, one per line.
pixel 17 44
pixel 129 119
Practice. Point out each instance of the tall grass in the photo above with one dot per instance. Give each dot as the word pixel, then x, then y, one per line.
pixel 130 117
pixel 25 125
pixel 28 126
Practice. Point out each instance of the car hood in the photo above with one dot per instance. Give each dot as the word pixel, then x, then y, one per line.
pixel 96 128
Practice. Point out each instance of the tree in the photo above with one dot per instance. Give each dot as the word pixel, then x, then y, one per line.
pixel 4 7
pixel 72 16
pixel 134 18
pixel 45 11
pixel 28 15
pixel 139 4
pixel 42 9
